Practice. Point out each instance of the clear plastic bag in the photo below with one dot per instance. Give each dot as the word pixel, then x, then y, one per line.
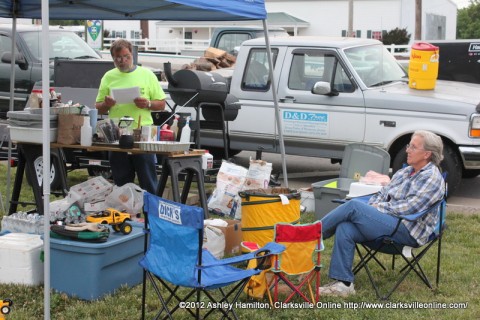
pixel 128 197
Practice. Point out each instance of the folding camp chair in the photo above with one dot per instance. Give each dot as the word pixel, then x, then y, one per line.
pixel 369 251
pixel 175 259
pixel 301 259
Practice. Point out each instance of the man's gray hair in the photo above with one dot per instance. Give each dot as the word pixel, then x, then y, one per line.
pixel 432 143
pixel 120 44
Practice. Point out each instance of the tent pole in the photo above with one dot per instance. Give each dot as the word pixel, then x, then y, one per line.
pixel 46 155
pixel 275 103
pixel 10 107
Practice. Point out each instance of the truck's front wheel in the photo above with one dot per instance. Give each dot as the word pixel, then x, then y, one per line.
pixel 450 164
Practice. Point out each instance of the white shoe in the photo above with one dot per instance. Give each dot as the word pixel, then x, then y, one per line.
pixel 336 289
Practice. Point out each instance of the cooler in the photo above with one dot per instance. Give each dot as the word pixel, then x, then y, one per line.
pixel 20 259
pixel 90 270
pixel 423 66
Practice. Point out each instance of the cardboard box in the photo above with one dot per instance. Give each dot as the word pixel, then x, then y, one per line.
pixel 233 237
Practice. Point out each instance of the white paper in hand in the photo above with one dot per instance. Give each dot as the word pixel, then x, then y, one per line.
pixel 125 95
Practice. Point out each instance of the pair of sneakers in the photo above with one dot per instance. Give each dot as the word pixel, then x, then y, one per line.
pixel 337 289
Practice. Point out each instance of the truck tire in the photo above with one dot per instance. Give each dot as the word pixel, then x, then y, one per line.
pixel 5 310
pixel 450 164
pixel 54 176
pixel 126 228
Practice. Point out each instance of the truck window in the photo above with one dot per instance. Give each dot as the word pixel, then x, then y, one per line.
pixel 229 41
pixel 375 65
pixel 5 44
pixel 256 71
pixel 309 67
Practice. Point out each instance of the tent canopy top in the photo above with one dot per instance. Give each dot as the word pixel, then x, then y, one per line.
pixel 184 10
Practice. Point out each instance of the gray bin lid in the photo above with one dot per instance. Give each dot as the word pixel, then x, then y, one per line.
pixel 359 158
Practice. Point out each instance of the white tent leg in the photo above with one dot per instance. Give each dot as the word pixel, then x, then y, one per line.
pixel 275 103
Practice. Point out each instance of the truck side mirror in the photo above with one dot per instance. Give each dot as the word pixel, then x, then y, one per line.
pixel 323 88
pixel 19 59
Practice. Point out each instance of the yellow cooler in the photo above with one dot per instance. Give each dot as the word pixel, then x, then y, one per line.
pixel 423 67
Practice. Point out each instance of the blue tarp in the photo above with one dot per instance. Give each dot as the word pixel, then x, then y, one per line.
pixel 179 10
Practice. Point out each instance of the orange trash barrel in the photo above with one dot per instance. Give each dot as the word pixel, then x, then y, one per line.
pixel 423 67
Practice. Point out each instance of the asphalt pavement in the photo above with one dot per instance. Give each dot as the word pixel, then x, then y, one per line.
pixel 303 171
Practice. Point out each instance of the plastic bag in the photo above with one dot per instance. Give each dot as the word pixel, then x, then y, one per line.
pixel 230 180
pixel 214 241
pixel 128 197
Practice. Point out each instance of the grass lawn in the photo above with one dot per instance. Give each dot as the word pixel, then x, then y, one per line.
pixel 459 286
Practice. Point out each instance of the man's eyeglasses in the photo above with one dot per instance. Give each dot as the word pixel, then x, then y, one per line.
pixel 413 148
pixel 125 57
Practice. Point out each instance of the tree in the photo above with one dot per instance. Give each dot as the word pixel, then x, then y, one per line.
pixel 396 36
pixel 468 21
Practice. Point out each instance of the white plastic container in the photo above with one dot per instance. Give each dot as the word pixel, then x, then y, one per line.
pixel 34 135
pixel 86 133
pixel 207 161
pixel 20 259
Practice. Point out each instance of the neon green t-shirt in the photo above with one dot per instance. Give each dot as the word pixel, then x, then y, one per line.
pixel 140 77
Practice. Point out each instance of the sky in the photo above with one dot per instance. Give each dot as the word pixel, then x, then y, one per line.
pixel 462 3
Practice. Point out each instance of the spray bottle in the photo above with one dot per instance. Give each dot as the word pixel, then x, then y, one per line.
pixel 186 131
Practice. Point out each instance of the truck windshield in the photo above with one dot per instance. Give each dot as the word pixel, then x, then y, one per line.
pixel 62 45
pixel 375 65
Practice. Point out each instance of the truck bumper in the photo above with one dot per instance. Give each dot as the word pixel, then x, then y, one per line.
pixel 470 156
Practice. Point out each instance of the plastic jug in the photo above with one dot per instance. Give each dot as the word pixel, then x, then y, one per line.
pixel 207 161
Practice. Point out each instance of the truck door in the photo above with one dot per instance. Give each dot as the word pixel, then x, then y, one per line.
pixel 22 79
pixel 319 125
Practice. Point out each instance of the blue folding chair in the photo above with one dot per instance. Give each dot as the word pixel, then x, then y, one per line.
pixel 175 259
pixel 386 245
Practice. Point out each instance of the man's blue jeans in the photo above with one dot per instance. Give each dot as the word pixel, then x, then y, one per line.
pixel 355 222
pixel 124 167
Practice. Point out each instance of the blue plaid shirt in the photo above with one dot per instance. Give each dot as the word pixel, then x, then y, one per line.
pixel 407 194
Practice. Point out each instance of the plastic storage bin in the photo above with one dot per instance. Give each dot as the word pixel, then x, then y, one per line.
pixel 423 66
pixel 91 270
pixel 263 208
pixel 20 259
pixel 357 161
pixel 328 190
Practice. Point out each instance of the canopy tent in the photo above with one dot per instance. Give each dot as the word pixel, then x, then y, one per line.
pixel 184 10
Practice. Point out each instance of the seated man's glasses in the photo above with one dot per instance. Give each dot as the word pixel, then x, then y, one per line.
pixel 125 57
pixel 413 148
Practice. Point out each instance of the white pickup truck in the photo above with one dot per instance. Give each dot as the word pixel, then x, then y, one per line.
pixel 336 91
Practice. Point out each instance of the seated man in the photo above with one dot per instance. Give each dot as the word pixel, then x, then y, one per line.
pixel 412 189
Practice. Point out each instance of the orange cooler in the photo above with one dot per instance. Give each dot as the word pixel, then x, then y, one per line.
pixel 423 67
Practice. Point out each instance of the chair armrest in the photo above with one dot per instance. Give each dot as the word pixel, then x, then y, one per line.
pixel 269 249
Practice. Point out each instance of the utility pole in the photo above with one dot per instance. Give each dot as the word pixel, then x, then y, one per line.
pixel 350 19
pixel 418 19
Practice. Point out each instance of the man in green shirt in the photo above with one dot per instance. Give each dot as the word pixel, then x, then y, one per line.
pixel 152 98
